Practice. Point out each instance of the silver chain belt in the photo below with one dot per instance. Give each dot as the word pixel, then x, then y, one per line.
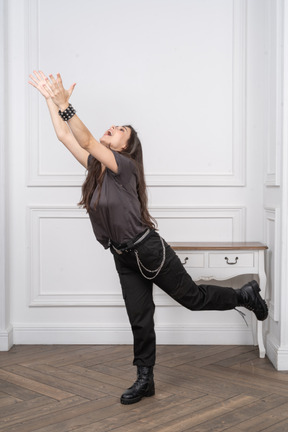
pixel 131 245
pixel 156 271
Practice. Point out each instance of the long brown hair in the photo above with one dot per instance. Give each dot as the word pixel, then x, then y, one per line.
pixel 133 150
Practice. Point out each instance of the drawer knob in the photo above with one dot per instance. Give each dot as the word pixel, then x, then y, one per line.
pixel 185 261
pixel 231 263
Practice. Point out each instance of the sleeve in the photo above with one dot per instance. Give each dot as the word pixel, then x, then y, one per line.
pixel 126 167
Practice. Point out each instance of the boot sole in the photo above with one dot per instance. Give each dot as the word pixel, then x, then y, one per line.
pixel 137 399
pixel 257 290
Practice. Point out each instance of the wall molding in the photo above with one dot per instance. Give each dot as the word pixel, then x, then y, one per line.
pixel 36 177
pixel 6 338
pixel 200 333
pixel 272 218
pixel 36 213
pixel 274 10
pixel 5 331
pixel 277 355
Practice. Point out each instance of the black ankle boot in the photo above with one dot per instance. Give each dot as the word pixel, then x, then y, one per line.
pixel 143 386
pixel 249 297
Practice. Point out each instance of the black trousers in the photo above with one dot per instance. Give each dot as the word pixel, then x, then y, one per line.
pixel 173 279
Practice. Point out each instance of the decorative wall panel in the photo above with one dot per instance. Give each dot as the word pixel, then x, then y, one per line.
pixel 274 47
pixel 68 267
pixel 194 132
pixel 272 239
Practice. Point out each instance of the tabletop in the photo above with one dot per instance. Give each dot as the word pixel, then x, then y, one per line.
pixel 218 246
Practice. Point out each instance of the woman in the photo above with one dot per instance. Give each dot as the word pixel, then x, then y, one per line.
pixel 114 194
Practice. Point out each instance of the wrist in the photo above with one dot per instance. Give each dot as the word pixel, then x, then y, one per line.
pixel 64 106
pixel 68 113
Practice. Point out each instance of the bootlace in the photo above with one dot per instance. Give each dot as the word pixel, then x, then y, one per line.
pixel 243 315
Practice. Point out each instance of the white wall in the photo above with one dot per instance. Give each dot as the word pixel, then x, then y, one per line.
pixel 275 179
pixel 5 326
pixel 190 76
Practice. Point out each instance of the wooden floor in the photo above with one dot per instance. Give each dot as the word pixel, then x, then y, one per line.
pixel 198 388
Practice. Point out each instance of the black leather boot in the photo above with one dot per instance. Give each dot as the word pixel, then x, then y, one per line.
pixel 249 297
pixel 143 386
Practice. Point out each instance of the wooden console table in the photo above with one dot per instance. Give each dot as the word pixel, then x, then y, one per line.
pixel 221 261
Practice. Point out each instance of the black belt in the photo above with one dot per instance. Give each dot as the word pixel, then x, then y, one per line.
pixel 125 247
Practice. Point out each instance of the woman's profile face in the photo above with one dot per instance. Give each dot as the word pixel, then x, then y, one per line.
pixel 116 137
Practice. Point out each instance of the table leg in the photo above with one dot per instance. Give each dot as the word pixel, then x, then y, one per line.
pixel 262 284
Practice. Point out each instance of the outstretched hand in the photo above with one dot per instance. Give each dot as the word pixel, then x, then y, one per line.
pixel 39 82
pixel 57 92
pixel 52 88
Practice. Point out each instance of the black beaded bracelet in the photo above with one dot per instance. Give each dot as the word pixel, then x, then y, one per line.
pixel 68 113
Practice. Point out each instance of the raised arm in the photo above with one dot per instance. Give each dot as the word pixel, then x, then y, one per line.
pixel 61 97
pixel 61 128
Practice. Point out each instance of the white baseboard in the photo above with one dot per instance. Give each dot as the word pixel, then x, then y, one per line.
pixel 166 334
pixel 276 354
pixel 6 339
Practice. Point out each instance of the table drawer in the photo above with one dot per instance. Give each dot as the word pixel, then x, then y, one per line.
pixel 228 259
pixel 192 260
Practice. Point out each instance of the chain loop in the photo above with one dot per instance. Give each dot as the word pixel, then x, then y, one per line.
pixel 157 271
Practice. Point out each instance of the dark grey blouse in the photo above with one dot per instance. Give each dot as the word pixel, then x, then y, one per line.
pixel 117 216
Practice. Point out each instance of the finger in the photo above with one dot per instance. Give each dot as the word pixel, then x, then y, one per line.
pixel 34 85
pixel 70 91
pixel 43 76
pixel 48 83
pixel 54 82
pixel 37 75
pixel 32 77
pixel 48 89
pixel 53 79
pixel 59 79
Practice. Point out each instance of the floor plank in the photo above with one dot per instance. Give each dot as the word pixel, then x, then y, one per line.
pixel 198 389
pixel 34 385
